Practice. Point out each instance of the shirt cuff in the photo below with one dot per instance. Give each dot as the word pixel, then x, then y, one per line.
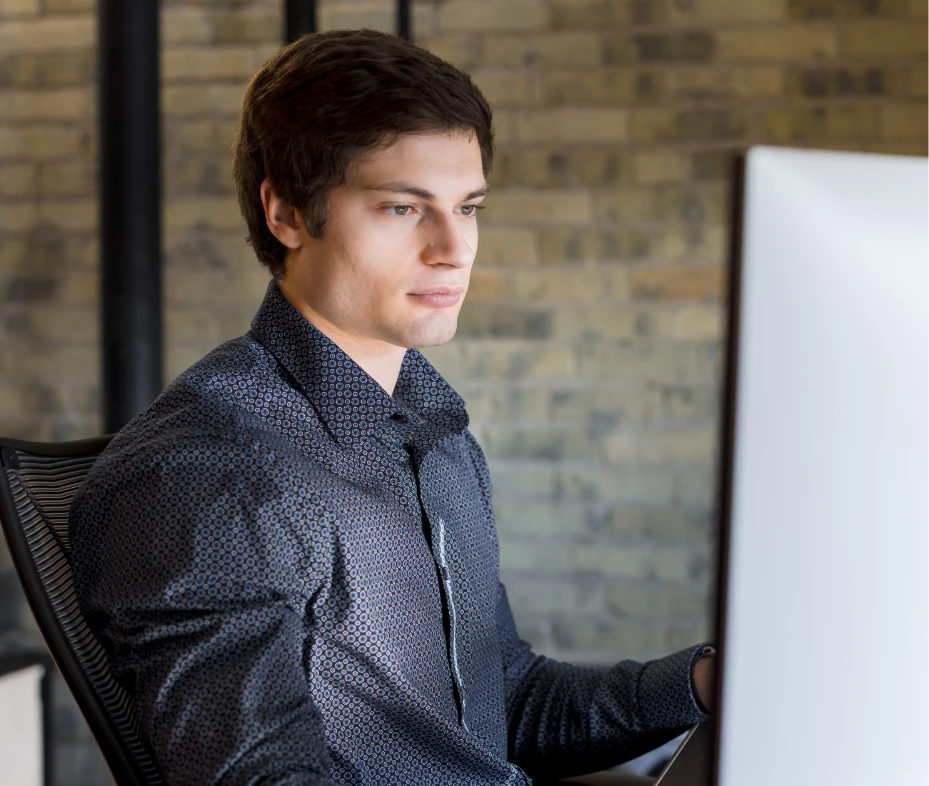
pixel 667 697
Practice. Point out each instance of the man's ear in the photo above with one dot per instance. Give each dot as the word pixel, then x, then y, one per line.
pixel 283 219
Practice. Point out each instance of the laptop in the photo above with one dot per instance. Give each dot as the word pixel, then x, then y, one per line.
pixel 822 603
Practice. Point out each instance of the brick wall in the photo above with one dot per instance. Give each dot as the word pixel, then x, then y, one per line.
pixel 589 346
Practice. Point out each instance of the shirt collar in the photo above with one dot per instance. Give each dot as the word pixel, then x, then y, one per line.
pixel 349 402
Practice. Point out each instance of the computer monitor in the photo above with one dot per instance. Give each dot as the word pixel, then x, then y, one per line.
pixel 822 603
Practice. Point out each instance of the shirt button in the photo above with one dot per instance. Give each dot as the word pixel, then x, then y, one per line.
pixel 445 573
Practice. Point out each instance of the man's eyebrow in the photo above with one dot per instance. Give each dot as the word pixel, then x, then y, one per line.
pixel 422 193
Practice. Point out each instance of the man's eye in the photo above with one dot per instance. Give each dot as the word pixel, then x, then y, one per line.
pixel 468 211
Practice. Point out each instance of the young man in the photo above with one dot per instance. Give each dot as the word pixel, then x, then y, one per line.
pixel 291 554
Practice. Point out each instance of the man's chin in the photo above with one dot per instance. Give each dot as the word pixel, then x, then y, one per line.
pixel 431 334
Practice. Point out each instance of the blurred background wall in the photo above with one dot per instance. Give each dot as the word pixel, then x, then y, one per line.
pixel 589 346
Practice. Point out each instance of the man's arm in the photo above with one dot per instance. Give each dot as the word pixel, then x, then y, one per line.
pixel 195 564
pixel 567 720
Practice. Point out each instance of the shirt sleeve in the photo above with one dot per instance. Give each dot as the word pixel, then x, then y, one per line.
pixel 191 568
pixel 567 720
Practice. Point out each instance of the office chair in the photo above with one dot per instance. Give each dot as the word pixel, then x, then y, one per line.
pixel 37 482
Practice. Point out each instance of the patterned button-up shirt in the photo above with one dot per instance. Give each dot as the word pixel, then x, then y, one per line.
pixel 297 577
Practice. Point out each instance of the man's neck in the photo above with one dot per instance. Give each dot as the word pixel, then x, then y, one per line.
pixel 379 360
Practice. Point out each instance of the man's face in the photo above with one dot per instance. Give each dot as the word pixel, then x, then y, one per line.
pixel 399 242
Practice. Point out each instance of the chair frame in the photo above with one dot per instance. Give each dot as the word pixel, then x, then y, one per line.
pixel 117 756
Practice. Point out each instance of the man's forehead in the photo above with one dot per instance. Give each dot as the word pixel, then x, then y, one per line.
pixel 421 162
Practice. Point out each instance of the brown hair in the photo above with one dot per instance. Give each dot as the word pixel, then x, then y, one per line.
pixel 327 99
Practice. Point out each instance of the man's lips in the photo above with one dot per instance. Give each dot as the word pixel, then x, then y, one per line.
pixel 439 297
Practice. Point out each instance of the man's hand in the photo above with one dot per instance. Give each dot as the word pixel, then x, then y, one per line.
pixel 705 681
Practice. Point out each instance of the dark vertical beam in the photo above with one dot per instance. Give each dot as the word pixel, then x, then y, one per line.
pixel 299 19
pixel 404 21
pixel 130 208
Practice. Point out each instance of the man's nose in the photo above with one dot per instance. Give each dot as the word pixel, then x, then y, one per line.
pixel 450 243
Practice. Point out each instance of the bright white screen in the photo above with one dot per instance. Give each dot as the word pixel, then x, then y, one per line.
pixel 826 647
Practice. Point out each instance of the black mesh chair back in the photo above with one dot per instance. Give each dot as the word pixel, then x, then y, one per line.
pixel 37 484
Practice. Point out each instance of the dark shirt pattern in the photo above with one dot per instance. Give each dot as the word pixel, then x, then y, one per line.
pixel 297 576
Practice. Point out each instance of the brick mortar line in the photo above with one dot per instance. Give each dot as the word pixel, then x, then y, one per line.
pixel 44 198
pixel 592 265
pixel 222 81
pixel 595 462
pixel 726 68
pixel 508 541
pixel 651 545
pixel 654 547
pixel 636 464
pixel 75 124
pixel 583 426
pixel 611 264
pixel 703 518
pixel 37 345
pixel 537 223
pixel 592 302
pixel 840 24
pixel 703 186
pixel 714 103
pixel 749 108
pixel 225 47
pixel 582 423
pixel 684 145
pixel 531 308
pixel 722 146
pixel 671 66
pixel 573 385
pixel 563 343
pixel 632 583
pixel 618 619
pixel 710 103
pixel 78 234
pixel 29 306
pixel 811 61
